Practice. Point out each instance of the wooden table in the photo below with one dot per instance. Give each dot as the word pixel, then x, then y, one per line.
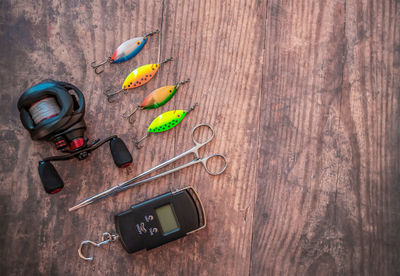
pixel 305 100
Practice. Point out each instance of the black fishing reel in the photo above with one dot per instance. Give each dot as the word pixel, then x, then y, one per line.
pixel 53 111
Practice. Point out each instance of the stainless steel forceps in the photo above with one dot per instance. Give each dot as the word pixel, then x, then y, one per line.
pixel 133 181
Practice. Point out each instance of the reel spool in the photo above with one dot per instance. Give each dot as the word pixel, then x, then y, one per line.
pixel 51 113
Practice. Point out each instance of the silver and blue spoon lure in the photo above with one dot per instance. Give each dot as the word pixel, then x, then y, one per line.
pixel 125 51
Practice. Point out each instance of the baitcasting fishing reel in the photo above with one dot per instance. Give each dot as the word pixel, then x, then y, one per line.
pixel 50 112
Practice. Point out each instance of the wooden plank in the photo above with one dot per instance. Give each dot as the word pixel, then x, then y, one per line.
pixel 217 45
pixel 329 157
pixel 303 95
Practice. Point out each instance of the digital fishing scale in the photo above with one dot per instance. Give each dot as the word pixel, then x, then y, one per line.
pixel 156 221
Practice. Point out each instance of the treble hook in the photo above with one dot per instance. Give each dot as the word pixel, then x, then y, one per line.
pixel 140 140
pixel 106 238
pixel 97 66
pixel 180 83
pixel 151 33
pixel 110 96
pixel 130 116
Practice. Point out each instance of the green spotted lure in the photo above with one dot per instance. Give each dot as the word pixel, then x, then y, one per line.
pixel 165 122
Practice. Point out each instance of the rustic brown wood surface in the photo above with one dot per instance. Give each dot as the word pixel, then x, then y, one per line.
pixel 304 98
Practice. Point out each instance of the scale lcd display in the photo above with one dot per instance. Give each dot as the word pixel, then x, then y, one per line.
pixel 167 218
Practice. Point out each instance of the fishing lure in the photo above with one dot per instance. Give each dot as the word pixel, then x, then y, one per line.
pixel 125 51
pixel 138 77
pixel 165 122
pixel 157 98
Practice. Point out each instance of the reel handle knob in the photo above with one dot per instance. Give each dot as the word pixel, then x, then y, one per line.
pixel 120 153
pixel 51 180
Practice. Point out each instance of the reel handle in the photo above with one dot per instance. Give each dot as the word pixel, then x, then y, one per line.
pixel 120 153
pixel 51 180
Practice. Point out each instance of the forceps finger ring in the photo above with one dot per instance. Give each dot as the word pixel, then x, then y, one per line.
pixel 204 161
pixel 208 139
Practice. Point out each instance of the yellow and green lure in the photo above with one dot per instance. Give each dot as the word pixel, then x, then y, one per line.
pixel 165 122
pixel 157 98
pixel 137 78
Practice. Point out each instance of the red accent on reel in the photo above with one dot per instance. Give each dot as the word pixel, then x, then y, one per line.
pixel 77 143
pixel 55 191
pixel 126 165
pixel 61 144
pixel 35 103
pixel 48 117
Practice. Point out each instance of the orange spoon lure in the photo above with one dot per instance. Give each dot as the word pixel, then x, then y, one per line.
pixel 157 98
pixel 137 78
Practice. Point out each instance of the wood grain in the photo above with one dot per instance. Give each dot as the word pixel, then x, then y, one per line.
pixel 328 166
pixel 304 99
